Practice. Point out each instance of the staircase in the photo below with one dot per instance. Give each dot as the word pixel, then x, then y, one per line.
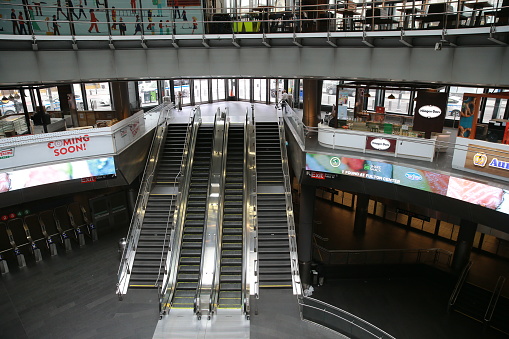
pixel 472 302
pixel 192 237
pixel 230 280
pixel 154 237
pixel 273 244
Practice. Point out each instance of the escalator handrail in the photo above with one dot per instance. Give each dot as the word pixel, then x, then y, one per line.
pixel 494 299
pixel 214 293
pixel 168 287
pixel 253 199
pixel 133 233
pixel 245 212
pixel 297 287
pixel 207 291
pixel 459 284
pixel 176 184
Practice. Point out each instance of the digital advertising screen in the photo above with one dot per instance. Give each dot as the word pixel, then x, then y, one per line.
pixel 473 192
pixel 42 175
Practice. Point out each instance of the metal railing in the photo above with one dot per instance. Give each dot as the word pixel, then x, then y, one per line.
pixel 133 233
pixel 459 284
pixel 168 287
pixel 339 320
pixel 292 235
pixel 494 299
pixel 431 256
pixel 146 21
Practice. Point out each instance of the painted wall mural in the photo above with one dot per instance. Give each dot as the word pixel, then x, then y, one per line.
pixel 100 17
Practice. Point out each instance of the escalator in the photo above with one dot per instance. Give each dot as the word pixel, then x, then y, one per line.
pixel 154 234
pixel 273 240
pixel 188 273
pixel 230 279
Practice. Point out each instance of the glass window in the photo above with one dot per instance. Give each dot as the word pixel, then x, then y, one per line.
pixel 182 85
pixel 244 89
pixel 495 109
pixel 276 89
pixel 218 89
pixel 98 96
pixel 50 99
pixel 260 89
pixel 232 85
pixel 201 90
pixel 329 89
pixel 147 91
pixel 167 92
pixel 13 104
pixel 397 101
pixel 80 106
pixel 456 99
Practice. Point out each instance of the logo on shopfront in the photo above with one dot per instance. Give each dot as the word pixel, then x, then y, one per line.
pixel 480 159
pixel 335 162
pixel 380 144
pixel 6 153
pixel 413 176
pixel 429 111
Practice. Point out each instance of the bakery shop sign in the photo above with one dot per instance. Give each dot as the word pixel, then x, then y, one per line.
pixel 488 160
pixel 381 144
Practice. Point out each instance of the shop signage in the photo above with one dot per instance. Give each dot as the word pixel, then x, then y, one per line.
pixel 7 153
pixel 72 145
pixel 487 160
pixel 381 144
pixel 317 175
pixel 413 176
pixel 430 111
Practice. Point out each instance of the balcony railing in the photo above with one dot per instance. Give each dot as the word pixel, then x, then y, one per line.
pixel 163 19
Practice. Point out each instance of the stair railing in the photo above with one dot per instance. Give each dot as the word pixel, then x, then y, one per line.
pixel 166 249
pixel 292 235
pixel 494 299
pixel 215 288
pixel 459 284
pixel 129 251
pixel 247 210
pixel 168 288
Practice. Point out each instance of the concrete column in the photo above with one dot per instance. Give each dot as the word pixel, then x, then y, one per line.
pixel 120 95
pixel 464 245
pixel 312 101
pixel 67 103
pixel 305 237
pixel 361 214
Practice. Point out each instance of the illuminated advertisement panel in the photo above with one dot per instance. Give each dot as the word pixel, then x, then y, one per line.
pixel 469 191
pixel 35 176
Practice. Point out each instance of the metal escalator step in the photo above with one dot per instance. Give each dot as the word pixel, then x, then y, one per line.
pixel 231 261
pixel 273 250
pixel 185 285
pixel 192 237
pixel 190 252
pixel 231 238
pixel 145 278
pixel 231 253
pixel 234 294
pixel 190 260
pixel 229 303
pixel 189 244
pixel 184 293
pixel 188 277
pixel 148 255
pixel 231 268
pixel 230 229
pixel 279 244
pixel 273 231
pixel 269 255
pixel 230 278
pixel 227 246
pixel 193 229
pixel 230 286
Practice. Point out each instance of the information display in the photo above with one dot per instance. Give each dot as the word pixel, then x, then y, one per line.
pixel 35 176
pixel 462 189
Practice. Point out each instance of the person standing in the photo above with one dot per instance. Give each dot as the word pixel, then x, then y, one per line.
pixel 176 11
pixel 22 27
pixel 56 31
pixel 184 15
pixel 179 101
pixel 114 17
pixel 122 27
pixel 14 19
pixel 133 6
pixel 93 22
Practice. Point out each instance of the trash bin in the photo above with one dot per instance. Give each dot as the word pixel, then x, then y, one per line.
pixel 314 277
pixel 122 244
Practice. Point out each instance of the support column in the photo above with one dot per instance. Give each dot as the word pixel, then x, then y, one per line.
pixel 464 245
pixel 312 101
pixel 305 238
pixel 361 214
pixel 68 103
pixel 120 94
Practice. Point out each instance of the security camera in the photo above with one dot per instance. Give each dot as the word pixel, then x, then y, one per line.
pixel 438 46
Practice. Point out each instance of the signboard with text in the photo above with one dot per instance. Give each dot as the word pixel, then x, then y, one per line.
pixel 381 144
pixel 430 109
pixel 487 160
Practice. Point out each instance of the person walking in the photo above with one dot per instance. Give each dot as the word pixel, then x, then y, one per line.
pixel 122 27
pixel 59 10
pixel 114 17
pixel 137 28
pixel 93 22
pixel 21 22
pixel 81 10
pixel 56 31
